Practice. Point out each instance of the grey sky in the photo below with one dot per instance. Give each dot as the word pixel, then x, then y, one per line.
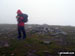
pixel 52 12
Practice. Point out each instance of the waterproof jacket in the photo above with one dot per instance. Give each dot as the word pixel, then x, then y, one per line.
pixel 20 18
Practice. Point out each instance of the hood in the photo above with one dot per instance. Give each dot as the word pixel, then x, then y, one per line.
pixel 19 12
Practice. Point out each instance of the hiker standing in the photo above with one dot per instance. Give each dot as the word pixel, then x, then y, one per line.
pixel 21 19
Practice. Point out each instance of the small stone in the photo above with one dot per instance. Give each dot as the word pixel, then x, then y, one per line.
pixel 46 53
pixel 6 45
pixel 31 54
pixel 12 54
pixel 46 42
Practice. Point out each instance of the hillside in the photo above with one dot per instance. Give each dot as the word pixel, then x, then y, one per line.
pixel 42 40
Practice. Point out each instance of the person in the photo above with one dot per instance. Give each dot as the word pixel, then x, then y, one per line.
pixel 21 28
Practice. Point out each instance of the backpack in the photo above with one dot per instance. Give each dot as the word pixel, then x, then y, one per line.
pixel 25 16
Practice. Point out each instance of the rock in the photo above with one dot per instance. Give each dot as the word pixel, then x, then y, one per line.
pixel 47 42
pixel 33 51
pixel 12 54
pixel 64 33
pixel 6 44
pixel 54 34
pixel 1 44
pixel 46 53
pixel 31 54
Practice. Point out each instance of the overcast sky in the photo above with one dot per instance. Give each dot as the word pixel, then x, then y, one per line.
pixel 52 12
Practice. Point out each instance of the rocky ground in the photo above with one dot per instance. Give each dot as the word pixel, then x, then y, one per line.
pixel 42 40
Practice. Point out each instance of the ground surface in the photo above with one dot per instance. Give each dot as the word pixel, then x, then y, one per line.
pixel 34 44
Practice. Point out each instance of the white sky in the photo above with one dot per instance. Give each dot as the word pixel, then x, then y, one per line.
pixel 52 12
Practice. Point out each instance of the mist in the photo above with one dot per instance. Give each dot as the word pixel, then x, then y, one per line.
pixel 52 12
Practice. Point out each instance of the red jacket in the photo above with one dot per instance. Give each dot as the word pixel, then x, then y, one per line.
pixel 20 22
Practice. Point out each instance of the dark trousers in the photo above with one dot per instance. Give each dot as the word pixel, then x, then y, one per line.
pixel 21 30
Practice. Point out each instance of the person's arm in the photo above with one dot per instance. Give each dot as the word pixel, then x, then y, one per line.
pixel 20 19
pixel 17 17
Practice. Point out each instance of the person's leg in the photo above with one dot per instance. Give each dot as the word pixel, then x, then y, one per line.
pixel 24 33
pixel 19 32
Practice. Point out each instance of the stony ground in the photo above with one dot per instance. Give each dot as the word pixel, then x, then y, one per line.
pixel 34 44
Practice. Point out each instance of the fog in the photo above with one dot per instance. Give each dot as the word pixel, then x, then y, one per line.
pixel 52 12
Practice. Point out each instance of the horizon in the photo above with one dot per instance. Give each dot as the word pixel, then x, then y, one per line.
pixel 36 24
pixel 51 12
